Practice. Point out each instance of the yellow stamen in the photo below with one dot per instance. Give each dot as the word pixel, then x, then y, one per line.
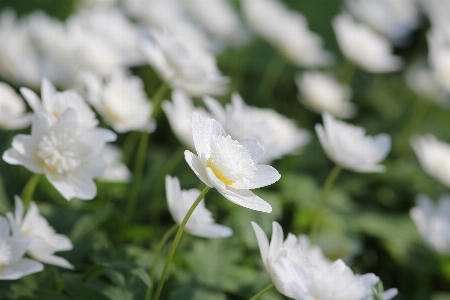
pixel 219 174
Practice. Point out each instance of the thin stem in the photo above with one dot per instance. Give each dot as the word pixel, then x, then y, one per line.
pixel 158 97
pixel 28 190
pixel 176 241
pixel 159 247
pixel 270 77
pixel 323 196
pixel 267 288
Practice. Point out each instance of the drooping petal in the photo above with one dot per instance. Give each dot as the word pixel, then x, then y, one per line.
pixel 246 199
pixel 194 162
pixel 25 267
pixel 211 231
pixel 72 187
pixel 54 260
pixel 264 175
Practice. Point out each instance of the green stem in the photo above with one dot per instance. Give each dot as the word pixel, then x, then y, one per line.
pixel 158 96
pixel 176 241
pixel 414 117
pixel 159 247
pixel 128 146
pixel 28 190
pixel 347 72
pixel 323 196
pixel 267 288
pixel 270 77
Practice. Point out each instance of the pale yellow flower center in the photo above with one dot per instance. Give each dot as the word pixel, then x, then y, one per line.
pixel 219 173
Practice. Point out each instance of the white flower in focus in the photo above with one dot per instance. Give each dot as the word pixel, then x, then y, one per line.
pixel 116 170
pixel 12 249
pixel 228 165
pixel 322 93
pixel 68 155
pixel 185 65
pixel 434 156
pixel 433 222
pixel 348 146
pixel 12 109
pixel 200 223
pixel 276 133
pixel 364 47
pixel 121 101
pixel 44 240
pixel 179 113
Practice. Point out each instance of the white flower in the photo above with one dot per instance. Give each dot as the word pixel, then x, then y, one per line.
pixel 44 240
pixel 439 56
pixel 422 80
pixel 276 133
pixel 121 101
pixel 12 249
pixel 364 47
pixel 348 146
pixel 68 155
pixel 228 165
pixel 287 31
pixel 185 65
pixel 321 92
pixel 433 222
pixel 201 222
pixel 434 156
pixel 12 109
pixel 116 171
pixel 179 113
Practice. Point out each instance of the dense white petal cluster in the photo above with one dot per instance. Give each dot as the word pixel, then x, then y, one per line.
pixel 276 133
pixel 434 156
pixel 433 222
pixel 230 166
pixel 12 109
pixel 321 92
pixel 200 223
pixel 116 170
pixel 348 146
pixel 364 47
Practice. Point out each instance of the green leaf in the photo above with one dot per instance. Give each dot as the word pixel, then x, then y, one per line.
pixel 78 291
pixel 93 272
pixel 143 275
pixel 89 223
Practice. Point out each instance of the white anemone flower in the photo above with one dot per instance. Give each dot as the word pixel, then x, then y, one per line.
pixel 349 147
pixel 12 109
pixel 179 113
pixel 12 249
pixel 364 47
pixel 68 155
pixel 121 101
pixel 200 223
pixel 44 240
pixel 116 170
pixel 433 222
pixel 277 134
pixel 434 156
pixel 228 165
pixel 185 65
pixel 321 92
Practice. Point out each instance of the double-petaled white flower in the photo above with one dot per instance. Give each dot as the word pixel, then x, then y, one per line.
pixel 116 170
pixel 348 146
pixel 201 222
pixel 228 165
pixel 364 47
pixel 44 240
pixel 12 249
pixel 433 222
pixel 12 109
pixel 276 133
pixel 434 156
pixel 321 92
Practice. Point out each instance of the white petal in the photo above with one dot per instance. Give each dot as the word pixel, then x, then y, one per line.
pixel 173 197
pixel 62 242
pixel 54 260
pixel 263 244
pixel 264 175
pixel 18 214
pixel 215 108
pixel 383 143
pixel 15 226
pixel 389 294
pixel 4 229
pixel 246 199
pixel 194 162
pixel 26 266
pixel 254 148
pixel 211 231
pixel 48 90
pixel 32 99
pixel 276 241
pixel 72 187
pixel 216 182
pixel 202 133
pixel 324 141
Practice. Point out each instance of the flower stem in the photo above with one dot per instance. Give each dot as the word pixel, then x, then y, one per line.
pixel 158 96
pixel 323 195
pixel 267 288
pixel 270 77
pixel 28 190
pixel 176 241
pixel 159 247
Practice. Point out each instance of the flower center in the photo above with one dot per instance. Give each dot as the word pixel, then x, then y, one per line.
pixel 219 173
pixel 5 254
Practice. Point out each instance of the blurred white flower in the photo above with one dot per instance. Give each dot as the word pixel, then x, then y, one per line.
pixel 116 170
pixel 321 92
pixel 276 133
pixel 421 79
pixel 433 222
pixel 200 223
pixel 287 31
pixel 67 154
pixel 179 113
pixel 439 56
pixel 185 65
pixel 434 156
pixel 44 240
pixel 364 47
pixel 228 165
pixel 12 109
pixel 121 101
pixel 12 249
pixel 349 147
pixel 55 103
